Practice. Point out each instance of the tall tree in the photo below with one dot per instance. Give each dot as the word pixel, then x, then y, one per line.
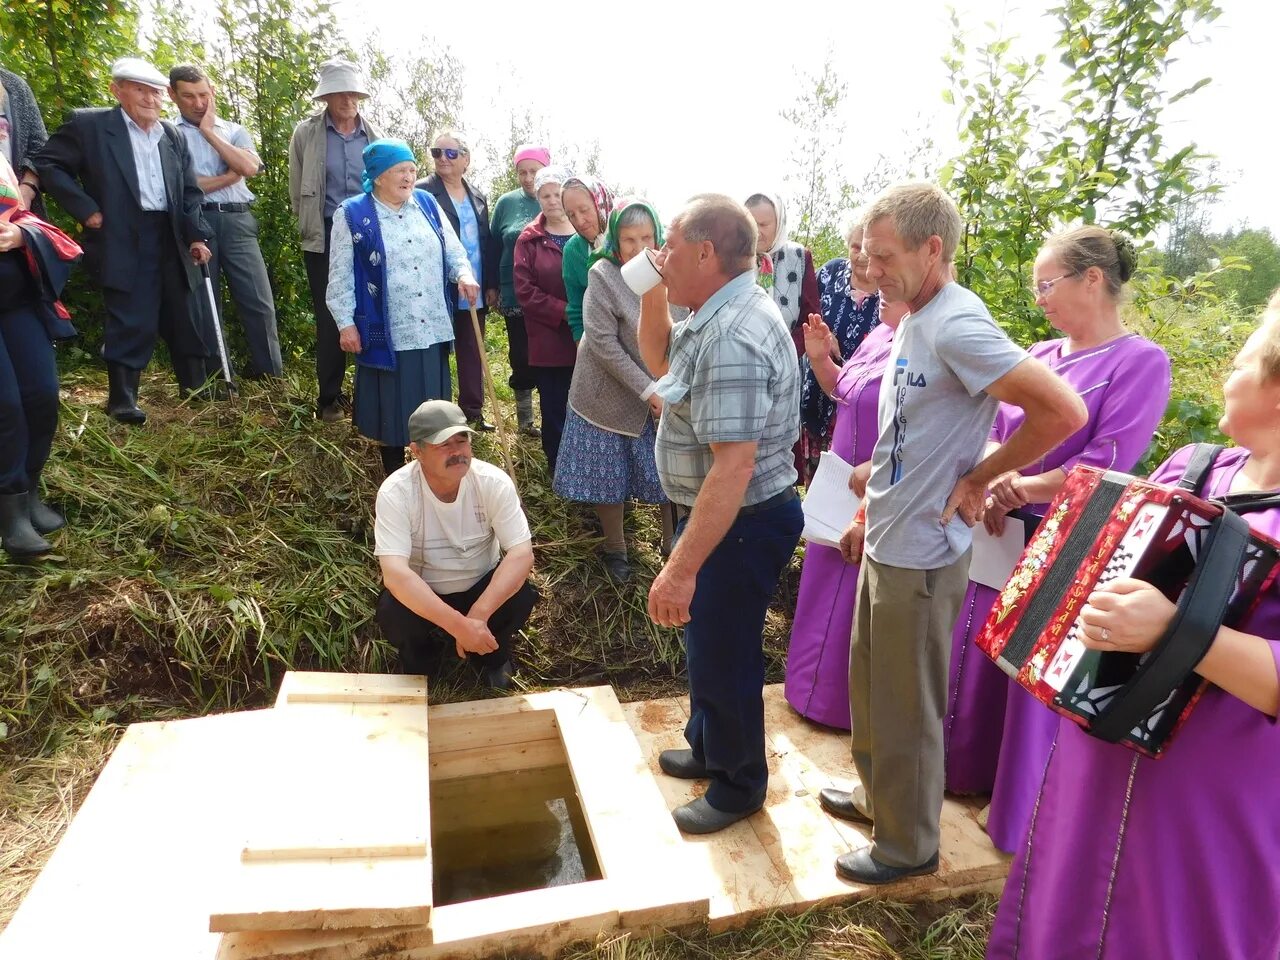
pixel 413 94
pixel 64 48
pixel 270 52
pixel 1101 155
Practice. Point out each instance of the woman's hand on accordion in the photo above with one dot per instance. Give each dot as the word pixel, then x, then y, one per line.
pixel 1126 616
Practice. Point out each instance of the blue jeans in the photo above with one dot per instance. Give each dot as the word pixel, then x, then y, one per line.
pixel 723 646
pixel 28 398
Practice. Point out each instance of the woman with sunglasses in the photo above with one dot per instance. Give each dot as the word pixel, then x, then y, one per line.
pixel 511 214
pixel 539 283
pixel 1124 382
pixel 468 211
pixel 1129 856
pixel 817 680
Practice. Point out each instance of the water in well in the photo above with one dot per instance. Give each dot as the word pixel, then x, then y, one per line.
pixel 507 833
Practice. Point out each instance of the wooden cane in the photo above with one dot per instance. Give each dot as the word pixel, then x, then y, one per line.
pixel 503 440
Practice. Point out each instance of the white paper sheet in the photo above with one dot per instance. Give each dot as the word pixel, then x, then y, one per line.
pixel 995 557
pixel 829 504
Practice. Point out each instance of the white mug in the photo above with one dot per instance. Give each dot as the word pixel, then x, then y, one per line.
pixel 641 273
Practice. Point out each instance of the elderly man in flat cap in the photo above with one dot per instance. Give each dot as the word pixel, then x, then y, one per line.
pixel 126 175
pixel 455 551
pixel 325 164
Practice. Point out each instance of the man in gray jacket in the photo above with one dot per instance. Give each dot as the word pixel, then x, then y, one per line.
pixel 325 165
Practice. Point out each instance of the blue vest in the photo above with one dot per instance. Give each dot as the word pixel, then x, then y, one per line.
pixel 372 322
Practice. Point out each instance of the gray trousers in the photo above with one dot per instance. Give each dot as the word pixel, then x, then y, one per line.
pixel 236 255
pixel 898 662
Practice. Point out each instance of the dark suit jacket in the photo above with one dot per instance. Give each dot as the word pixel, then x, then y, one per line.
pixel 480 204
pixel 88 167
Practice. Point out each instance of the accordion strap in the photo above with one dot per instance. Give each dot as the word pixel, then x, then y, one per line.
pixel 1198 466
pixel 1196 473
pixel 1195 624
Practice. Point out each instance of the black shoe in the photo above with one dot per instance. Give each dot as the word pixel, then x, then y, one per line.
pixel 861 867
pixel 698 817
pixel 615 564
pixel 481 425
pixel 531 430
pixel 680 763
pixel 44 518
pixel 499 677
pixel 331 412
pixel 122 394
pixel 839 803
pixel 17 535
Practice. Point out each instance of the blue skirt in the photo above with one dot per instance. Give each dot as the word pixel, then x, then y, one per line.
pixel 385 398
pixel 599 466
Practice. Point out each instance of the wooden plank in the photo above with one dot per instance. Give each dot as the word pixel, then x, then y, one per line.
pixel 300 686
pixel 497 759
pixel 636 842
pixel 320 774
pixel 450 731
pixel 539 922
pixel 338 848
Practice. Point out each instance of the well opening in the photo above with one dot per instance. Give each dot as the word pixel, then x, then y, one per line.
pixel 505 816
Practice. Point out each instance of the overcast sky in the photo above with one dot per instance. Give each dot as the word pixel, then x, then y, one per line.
pixel 684 95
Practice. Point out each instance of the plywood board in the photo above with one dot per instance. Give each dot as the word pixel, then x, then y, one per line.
pixel 133 871
pixel 342 833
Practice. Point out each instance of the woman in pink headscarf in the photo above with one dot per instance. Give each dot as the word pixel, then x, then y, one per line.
pixel 511 214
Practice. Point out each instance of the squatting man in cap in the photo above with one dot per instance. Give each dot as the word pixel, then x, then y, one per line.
pixel 126 175
pixel 455 551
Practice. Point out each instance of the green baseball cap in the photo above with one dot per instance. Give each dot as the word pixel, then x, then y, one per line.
pixel 436 421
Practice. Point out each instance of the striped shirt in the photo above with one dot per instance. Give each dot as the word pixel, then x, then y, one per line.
pixel 146 160
pixel 732 377
pixel 208 163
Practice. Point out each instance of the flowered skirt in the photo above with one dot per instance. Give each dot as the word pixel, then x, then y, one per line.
pixel 385 398
pixel 599 466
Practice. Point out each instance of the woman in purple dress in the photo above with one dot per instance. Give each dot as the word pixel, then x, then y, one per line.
pixel 818 658
pixel 1124 382
pixel 1176 858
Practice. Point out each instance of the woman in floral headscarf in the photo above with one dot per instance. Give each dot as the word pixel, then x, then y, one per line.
pixel 587 203
pixel 607 454
pixel 784 268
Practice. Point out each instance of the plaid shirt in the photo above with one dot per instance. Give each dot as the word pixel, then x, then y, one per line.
pixel 732 377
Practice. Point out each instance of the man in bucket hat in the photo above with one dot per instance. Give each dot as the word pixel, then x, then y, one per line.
pixel 126 175
pixel 325 164
pixel 455 551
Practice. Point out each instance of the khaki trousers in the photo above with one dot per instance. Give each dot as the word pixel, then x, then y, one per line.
pixel 898 662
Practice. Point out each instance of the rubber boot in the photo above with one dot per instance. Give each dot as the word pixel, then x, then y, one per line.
pixel 524 413
pixel 122 394
pixel 17 535
pixel 190 374
pixel 44 518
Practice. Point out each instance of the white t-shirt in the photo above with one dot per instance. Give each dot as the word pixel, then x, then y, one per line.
pixel 449 545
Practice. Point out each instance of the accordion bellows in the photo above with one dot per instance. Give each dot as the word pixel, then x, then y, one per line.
pixel 1104 526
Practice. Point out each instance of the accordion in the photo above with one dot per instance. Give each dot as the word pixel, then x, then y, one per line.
pixel 1103 526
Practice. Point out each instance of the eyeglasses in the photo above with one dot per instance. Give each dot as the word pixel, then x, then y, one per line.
pixel 438 152
pixel 1045 287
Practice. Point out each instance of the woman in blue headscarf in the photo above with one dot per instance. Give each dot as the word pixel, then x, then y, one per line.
pixel 394 255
